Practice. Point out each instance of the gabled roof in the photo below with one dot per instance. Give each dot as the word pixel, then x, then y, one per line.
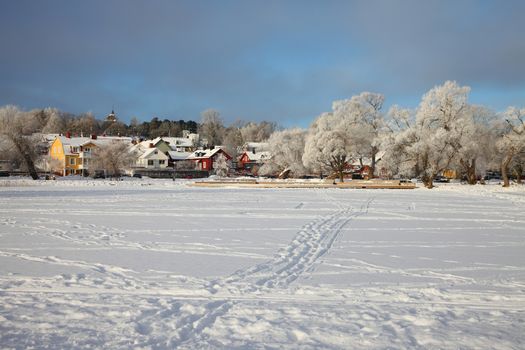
pixel 258 156
pixel 368 161
pixel 179 142
pixel 144 145
pixel 153 153
pixel 207 153
pixel 68 142
pixel 175 155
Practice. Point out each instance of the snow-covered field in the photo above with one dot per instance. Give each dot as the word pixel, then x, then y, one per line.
pixel 158 264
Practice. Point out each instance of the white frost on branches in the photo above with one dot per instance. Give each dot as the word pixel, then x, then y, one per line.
pixel 328 146
pixel 286 148
pixel 220 165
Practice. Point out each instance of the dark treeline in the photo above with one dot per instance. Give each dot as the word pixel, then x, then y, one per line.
pixel 86 124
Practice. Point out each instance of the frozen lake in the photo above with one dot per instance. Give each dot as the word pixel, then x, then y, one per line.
pixel 160 265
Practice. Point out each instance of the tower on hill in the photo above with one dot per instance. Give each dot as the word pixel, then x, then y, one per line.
pixel 111 117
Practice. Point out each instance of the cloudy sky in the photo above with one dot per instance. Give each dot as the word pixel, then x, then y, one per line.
pixel 284 61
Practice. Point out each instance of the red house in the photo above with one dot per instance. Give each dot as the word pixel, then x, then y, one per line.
pixel 205 157
pixel 250 160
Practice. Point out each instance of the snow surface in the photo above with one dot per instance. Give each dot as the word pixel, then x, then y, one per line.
pixel 157 264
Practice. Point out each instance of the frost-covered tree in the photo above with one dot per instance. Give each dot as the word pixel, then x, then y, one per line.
pixel 212 128
pixel 431 144
pixel 49 120
pixel 363 112
pixel 512 140
pixel 328 144
pixel 476 143
pixel 401 136
pixel 517 167
pixel 112 158
pixel 16 133
pixel 286 150
pixel 220 165
pixel 257 132
pixel 233 140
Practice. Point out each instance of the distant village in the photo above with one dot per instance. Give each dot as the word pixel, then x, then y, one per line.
pixel 187 156
pixel 444 138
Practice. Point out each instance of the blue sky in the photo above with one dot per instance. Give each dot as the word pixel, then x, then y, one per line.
pixel 284 61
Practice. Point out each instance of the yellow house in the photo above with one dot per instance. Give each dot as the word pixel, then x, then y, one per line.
pixel 75 153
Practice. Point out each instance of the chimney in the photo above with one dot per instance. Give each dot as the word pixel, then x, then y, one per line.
pixel 151 145
pixel 68 135
pixel 93 136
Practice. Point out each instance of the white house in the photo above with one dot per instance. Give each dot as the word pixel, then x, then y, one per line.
pixel 152 158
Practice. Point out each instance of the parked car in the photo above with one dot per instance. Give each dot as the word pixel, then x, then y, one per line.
pixel 138 176
pixel 98 174
pixel 441 179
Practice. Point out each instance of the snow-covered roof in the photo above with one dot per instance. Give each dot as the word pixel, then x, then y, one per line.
pixel 258 156
pixel 178 142
pixel 74 141
pixel 153 153
pixel 144 145
pixel 175 155
pixel 256 146
pixel 155 141
pixel 69 142
pixel 205 153
pixel 48 137
pixel 368 161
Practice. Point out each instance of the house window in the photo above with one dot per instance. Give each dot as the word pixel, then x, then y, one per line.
pixel 150 162
pixel 203 165
pixel 71 161
pixel 161 161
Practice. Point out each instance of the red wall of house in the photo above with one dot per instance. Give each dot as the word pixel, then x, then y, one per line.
pixel 206 164
pixel 244 159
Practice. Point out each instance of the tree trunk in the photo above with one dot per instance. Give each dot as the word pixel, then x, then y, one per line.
pixel 505 169
pixel 338 165
pixel 30 165
pixel 428 181
pixel 470 170
pixel 518 170
pixel 372 170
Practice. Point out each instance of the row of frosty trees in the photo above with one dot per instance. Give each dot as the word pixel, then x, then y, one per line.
pixel 443 132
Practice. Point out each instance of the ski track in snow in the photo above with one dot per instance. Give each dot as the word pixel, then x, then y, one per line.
pixel 310 244
pixel 273 303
